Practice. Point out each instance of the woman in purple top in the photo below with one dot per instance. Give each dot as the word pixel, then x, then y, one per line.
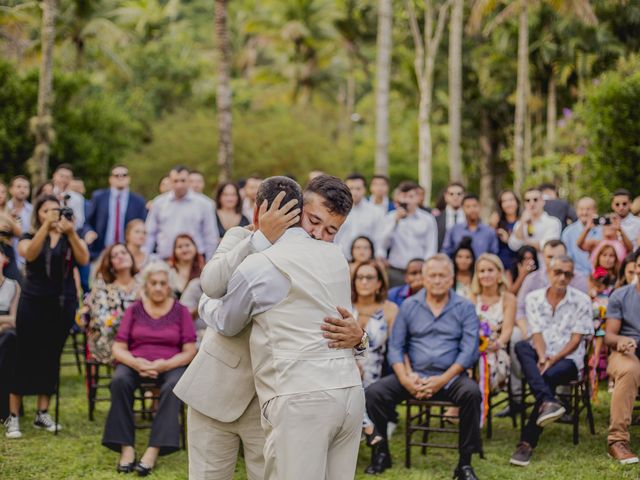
pixel 155 343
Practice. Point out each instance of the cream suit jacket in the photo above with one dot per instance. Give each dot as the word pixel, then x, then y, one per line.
pixel 219 381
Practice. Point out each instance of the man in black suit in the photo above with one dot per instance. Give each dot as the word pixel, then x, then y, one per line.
pixel 111 209
pixel 452 214
pixel 557 207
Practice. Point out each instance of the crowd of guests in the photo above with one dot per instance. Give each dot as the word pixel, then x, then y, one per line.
pixel 455 308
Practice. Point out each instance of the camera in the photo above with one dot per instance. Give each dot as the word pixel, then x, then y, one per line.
pixel 66 212
pixel 606 220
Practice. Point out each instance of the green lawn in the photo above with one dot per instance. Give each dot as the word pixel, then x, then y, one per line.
pixel 77 453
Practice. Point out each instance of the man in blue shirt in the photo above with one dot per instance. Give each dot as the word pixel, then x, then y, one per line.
pixel 483 238
pixel 439 330
pixel 586 209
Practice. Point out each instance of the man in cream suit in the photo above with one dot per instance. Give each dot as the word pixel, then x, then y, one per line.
pixel 218 385
pixel 311 397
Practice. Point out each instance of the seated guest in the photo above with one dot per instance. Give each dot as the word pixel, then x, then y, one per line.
pixel 114 289
pixel 229 208
pixel 558 316
pixel 464 260
pixel 586 209
pixel 623 336
pixel 438 330
pixel 627 274
pixel 135 236
pixel 526 262
pixel 605 269
pixel 361 251
pixel 483 237
pixel 612 234
pixel 186 263
pixel 413 282
pixel 155 343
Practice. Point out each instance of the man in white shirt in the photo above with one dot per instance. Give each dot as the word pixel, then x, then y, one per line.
pixel 406 233
pixel 20 208
pixel 621 205
pixel 362 221
pixel 535 227
pixel 61 179
pixel 379 197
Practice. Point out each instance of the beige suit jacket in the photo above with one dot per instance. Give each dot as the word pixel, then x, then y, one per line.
pixel 219 381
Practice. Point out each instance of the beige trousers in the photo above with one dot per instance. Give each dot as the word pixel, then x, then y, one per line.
pixel 214 445
pixel 313 436
pixel 625 371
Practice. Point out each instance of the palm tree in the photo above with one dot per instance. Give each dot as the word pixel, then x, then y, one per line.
pixel 455 89
pixel 223 93
pixel 383 72
pixel 41 125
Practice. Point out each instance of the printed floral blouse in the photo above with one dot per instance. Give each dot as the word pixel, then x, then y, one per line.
pixel 107 303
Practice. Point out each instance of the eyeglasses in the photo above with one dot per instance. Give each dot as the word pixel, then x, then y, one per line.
pixel 368 278
pixel 120 175
pixel 531 200
pixel 567 273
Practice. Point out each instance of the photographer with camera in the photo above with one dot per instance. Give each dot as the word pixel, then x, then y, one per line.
pixel 612 234
pixel 46 309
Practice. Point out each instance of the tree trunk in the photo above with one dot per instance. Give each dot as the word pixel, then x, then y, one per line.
pixel 223 93
pixel 455 89
pixel 425 148
pixel 487 195
pixel 552 114
pixel 521 99
pixel 383 72
pixel 41 125
pixel 528 126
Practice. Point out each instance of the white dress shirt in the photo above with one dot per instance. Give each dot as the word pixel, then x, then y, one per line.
pixel 453 217
pixel 631 227
pixel 24 219
pixel 415 236
pixel 383 207
pixel 363 220
pixel 75 202
pixel 545 228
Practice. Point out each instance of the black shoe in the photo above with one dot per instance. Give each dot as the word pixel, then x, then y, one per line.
pixel 465 473
pixel 126 468
pixel 142 470
pixel 522 456
pixel 509 411
pixel 381 459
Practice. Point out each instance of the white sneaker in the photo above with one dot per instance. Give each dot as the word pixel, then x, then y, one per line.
pixel 44 421
pixel 12 426
pixel 391 428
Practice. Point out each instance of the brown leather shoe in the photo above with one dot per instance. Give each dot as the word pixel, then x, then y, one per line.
pixel 621 451
pixel 549 412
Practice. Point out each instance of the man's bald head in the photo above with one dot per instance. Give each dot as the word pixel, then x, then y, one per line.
pixel 586 209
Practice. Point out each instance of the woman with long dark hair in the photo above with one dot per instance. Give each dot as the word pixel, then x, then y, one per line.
pixel 503 222
pixel 229 208
pixel 185 262
pixel 46 309
pixel 464 261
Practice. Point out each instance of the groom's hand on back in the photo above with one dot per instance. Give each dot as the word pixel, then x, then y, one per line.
pixel 344 332
pixel 275 220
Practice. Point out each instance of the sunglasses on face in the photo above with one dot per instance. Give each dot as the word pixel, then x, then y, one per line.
pixel 622 204
pixel 531 200
pixel 566 273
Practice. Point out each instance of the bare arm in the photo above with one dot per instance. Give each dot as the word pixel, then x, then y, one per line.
pixel 9 320
pixel 508 323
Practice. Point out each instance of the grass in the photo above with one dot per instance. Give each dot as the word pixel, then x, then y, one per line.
pixel 77 453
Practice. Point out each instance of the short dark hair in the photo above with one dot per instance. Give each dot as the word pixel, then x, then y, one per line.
pixel 356 176
pixel 118 165
pixel 407 185
pixel 455 184
pixel 220 190
pixel 622 192
pixel 548 186
pixel 554 243
pixel 196 172
pixel 272 186
pixel 533 189
pixel 64 166
pixel 19 177
pixel 179 169
pixel 470 196
pixel 380 177
pixel 337 196
pixel 416 259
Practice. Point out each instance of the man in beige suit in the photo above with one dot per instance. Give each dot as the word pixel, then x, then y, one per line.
pixel 218 386
pixel 311 397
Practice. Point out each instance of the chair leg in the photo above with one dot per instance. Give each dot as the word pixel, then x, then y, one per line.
pixel 587 403
pixel 407 436
pixel 92 375
pixel 489 418
pixel 523 412
pixel 76 353
pixel 183 432
pixel 576 413
pixel 425 438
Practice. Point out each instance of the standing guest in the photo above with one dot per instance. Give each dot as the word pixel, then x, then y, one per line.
pixel 627 275
pixel 251 187
pixel 155 343
pixel 586 209
pixel 47 308
pixel 9 294
pixel 438 330
pixel 406 233
pixel 526 263
pixel 535 227
pixel 464 260
pixel 62 177
pixel 612 234
pixel 45 188
pixel 364 218
pixel 497 307
pixel 164 186
pixel 135 236
pixel 4 196
pixel 483 237
pixel 557 207
pixel 111 211
pixel 362 250
pixel 379 197
pixel 452 213
pixel 229 208
pixel 185 262
pixel 559 316
pixel 635 206
pixel 623 336
pixel 20 209
pixel 9 230
pixel 196 181
pixel 503 222
pixel 114 289
pixel 413 282
pixel 181 211
pixel 630 224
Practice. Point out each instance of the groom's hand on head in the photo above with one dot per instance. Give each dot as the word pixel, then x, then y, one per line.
pixel 276 219
pixel 344 332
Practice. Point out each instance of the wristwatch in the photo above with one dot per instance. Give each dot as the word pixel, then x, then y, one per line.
pixel 364 342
